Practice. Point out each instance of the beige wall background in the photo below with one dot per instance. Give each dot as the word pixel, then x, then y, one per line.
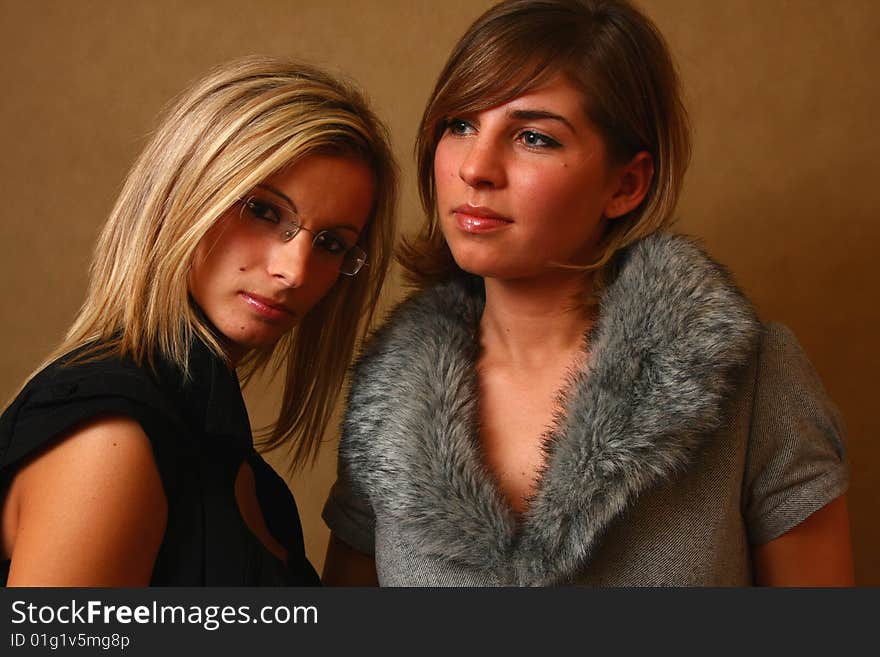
pixel 783 187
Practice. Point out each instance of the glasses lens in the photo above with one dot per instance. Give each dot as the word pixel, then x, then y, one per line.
pixel 353 261
pixel 266 214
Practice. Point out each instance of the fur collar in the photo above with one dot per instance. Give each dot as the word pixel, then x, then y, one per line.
pixel 672 329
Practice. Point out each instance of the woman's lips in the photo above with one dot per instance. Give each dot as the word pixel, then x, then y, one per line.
pixel 266 308
pixel 479 219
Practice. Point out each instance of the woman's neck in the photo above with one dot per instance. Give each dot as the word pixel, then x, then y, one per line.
pixel 526 323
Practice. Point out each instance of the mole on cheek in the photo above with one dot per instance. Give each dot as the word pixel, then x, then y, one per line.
pixel 241 269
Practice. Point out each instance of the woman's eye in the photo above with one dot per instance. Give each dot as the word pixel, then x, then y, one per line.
pixel 263 210
pixel 537 140
pixel 459 127
pixel 330 243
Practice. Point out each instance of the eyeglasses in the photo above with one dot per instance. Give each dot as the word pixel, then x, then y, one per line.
pixel 331 247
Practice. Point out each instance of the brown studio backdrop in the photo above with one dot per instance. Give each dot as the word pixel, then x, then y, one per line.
pixel 783 186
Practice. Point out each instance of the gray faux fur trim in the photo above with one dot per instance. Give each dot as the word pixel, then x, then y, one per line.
pixel 671 332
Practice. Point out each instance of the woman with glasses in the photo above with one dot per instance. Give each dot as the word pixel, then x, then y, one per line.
pixel 254 229
pixel 574 396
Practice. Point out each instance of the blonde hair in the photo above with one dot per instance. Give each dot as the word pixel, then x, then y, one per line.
pixel 239 125
pixel 615 54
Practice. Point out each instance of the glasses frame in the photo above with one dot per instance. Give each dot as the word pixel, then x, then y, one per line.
pixel 289 227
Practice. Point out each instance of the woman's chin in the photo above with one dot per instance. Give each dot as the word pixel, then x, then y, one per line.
pixel 493 266
pixel 241 342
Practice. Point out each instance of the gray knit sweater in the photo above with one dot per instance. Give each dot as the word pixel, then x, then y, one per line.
pixel 692 433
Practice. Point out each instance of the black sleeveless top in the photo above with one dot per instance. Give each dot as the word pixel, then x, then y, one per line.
pixel 200 435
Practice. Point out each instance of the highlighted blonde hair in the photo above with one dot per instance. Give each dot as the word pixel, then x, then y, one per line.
pixel 233 129
pixel 620 61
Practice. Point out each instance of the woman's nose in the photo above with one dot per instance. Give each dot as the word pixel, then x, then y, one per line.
pixel 291 262
pixel 483 164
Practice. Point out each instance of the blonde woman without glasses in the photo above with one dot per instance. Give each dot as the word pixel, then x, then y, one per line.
pixel 254 229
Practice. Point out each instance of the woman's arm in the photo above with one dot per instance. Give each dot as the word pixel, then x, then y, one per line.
pixel 90 511
pixel 817 552
pixel 345 566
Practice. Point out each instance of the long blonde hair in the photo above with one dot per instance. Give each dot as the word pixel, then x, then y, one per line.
pixel 231 130
pixel 619 59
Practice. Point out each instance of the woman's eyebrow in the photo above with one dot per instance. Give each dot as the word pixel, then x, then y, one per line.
pixel 531 115
pixel 279 194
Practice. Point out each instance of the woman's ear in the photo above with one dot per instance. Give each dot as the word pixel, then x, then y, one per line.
pixel 633 181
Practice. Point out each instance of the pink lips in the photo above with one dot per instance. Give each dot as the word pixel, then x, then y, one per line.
pixel 266 308
pixel 479 219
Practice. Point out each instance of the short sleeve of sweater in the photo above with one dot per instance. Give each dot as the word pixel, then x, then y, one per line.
pixel 349 515
pixel 796 461
pixel 58 399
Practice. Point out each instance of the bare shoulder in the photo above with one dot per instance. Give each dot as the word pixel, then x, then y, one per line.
pixel 88 511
